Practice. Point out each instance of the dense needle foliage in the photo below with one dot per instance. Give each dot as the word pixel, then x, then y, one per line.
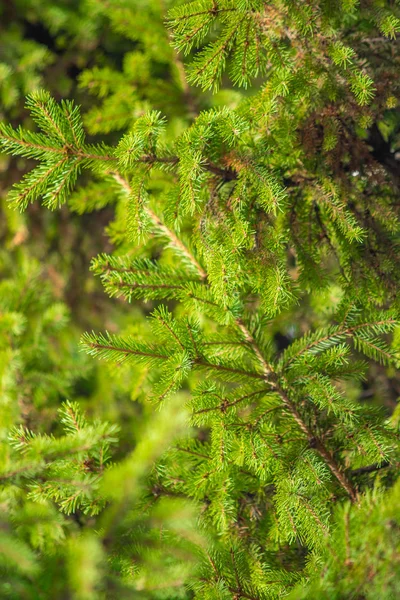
pixel 238 437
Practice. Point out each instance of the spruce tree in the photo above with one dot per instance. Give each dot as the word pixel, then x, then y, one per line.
pixel 248 149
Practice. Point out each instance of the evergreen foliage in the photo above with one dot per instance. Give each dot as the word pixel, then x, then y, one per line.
pixel 265 211
pixel 34 36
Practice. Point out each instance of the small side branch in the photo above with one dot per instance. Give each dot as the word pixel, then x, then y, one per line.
pixel 370 469
pixel 319 446
pixel 175 241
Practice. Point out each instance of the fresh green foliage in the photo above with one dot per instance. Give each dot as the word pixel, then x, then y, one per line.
pixel 257 469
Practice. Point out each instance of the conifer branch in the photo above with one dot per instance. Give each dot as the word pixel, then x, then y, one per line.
pixel 268 374
pixel 46 460
pixel 113 347
pixel 227 369
pixel 225 404
pixel 228 174
pixel 175 241
pixel 316 442
pixel 338 333
pixel 370 468
pixel 123 351
pixel 267 368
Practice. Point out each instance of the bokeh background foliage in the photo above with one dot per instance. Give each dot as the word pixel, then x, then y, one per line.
pixel 94 470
